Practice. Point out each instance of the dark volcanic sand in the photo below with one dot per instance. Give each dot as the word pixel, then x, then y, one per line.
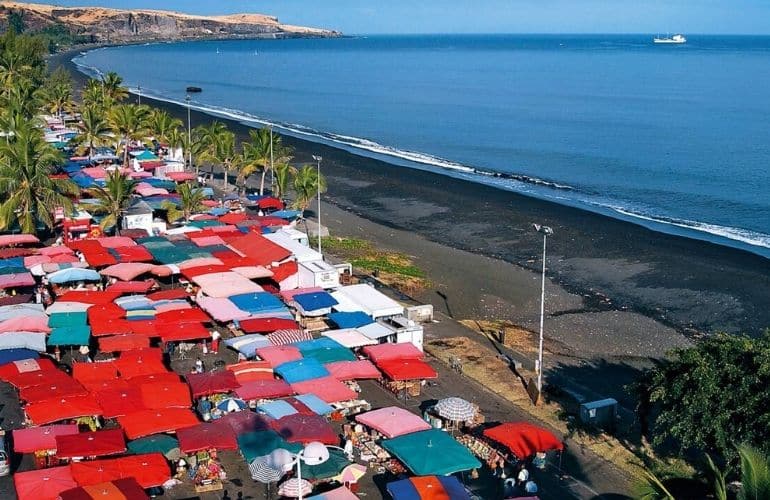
pixel 606 270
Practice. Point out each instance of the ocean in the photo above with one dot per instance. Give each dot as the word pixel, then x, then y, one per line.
pixel 675 138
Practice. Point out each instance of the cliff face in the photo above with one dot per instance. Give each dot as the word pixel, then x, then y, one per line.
pixel 103 25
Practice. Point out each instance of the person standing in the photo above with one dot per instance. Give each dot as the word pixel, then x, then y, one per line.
pixel 215 336
pixel 198 366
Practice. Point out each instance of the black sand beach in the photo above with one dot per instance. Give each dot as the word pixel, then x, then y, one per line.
pixel 608 277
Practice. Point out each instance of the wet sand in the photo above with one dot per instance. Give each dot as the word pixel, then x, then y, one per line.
pixel 615 289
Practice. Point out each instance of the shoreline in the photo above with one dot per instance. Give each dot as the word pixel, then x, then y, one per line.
pixel 604 263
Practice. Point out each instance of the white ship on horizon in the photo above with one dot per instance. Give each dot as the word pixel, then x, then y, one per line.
pixel 676 39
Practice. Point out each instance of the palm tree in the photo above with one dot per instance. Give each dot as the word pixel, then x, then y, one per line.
pixel 755 474
pixel 219 148
pixel 161 124
pixel 94 129
pixel 31 195
pixel 261 152
pixel 283 174
pixel 112 86
pixel 56 98
pixel 129 121
pixel 114 198
pixel 92 93
pixel 190 202
pixel 306 185
pixel 652 488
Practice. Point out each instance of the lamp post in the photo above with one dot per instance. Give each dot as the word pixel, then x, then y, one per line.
pixel 318 186
pixel 189 134
pixel 314 453
pixel 546 232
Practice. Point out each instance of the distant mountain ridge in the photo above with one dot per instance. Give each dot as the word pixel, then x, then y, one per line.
pixel 107 25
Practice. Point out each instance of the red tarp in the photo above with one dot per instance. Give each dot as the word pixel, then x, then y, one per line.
pixel 165 395
pixel 353 370
pixel 206 436
pixel 134 254
pixel 100 259
pixel 233 218
pixel 283 271
pixel 386 352
pixel 47 411
pixel 270 202
pixel 149 470
pixel 176 293
pixel 91 444
pixel 11 371
pixel 119 489
pixel 143 327
pixel 264 389
pixel 132 286
pixel 130 367
pixel 94 372
pixel 329 389
pixel 142 354
pixel 267 325
pixel 118 343
pixel 119 402
pixel 59 389
pixel 110 326
pixel 410 369
pixel 35 439
pixel 155 378
pixel 262 250
pixel 193 315
pixel 246 371
pixel 191 272
pixel 305 429
pixel 178 332
pixel 88 297
pixel 28 379
pixel 524 439
pixel 102 385
pixel 145 422
pixel 43 484
pixel 105 312
pixel 204 384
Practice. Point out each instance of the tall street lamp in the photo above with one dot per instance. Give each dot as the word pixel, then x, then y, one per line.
pixel 318 186
pixel 546 232
pixel 313 453
pixel 189 133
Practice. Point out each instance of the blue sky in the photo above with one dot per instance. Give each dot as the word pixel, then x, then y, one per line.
pixel 489 16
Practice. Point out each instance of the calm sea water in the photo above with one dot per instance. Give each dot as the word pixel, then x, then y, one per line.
pixel 673 137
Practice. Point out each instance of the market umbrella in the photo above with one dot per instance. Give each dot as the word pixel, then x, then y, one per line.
pixel 351 474
pixel 294 487
pixel 231 404
pixel 72 274
pixel 455 409
pixel 262 472
pixel 157 443
pixel 336 463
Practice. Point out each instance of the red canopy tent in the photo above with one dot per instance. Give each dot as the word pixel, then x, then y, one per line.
pixel 264 389
pixel 179 332
pixel 133 254
pixel 63 388
pixel 524 439
pixel 191 272
pixel 11 371
pixel 305 429
pixel 270 202
pixel 132 286
pixel 205 436
pixel 43 484
pixel 267 325
pixel 175 293
pixel 145 422
pixel 144 327
pixel 103 385
pixel 155 378
pixel 259 248
pixel 34 439
pixel 85 297
pixel 142 354
pixel 233 218
pixel 165 395
pixel 242 422
pixel 409 369
pixel 119 489
pixel 246 371
pixel 279 354
pixel 94 372
pixel 119 402
pixel 130 367
pixel 28 379
pixel 204 384
pixel 193 315
pixel 353 370
pixel 102 312
pixel 47 411
pixel 149 470
pixel 91 444
pixel 118 343
pixel 329 389
pixel 386 352
pixel 110 326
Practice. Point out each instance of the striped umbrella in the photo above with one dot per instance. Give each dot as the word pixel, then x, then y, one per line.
pixel 293 487
pixel 231 404
pixel 283 337
pixel 262 472
pixel 455 409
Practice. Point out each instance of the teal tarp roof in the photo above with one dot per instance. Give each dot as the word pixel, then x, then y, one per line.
pixel 431 452
pixel 67 319
pixel 146 155
pixel 261 443
pixel 70 335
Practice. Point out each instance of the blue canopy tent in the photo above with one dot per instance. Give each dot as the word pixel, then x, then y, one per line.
pixel 11 355
pixel 407 489
pixel 314 303
pixel 217 211
pixel 301 370
pixel 258 303
pixel 248 344
pixel 350 319
pixel 286 214
pixel 315 403
pixel 277 409
pixel 73 274
pixel 70 335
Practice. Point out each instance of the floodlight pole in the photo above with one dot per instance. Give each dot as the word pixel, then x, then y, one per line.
pixel 546 231
pixel 318 186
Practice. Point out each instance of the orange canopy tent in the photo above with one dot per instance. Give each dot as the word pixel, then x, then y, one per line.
pixel 524 439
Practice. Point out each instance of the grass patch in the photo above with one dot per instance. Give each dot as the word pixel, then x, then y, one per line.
pixel 392 268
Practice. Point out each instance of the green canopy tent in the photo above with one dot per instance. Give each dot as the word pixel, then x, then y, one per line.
pixel 156 443
pixel 261 443
pixel 431 452
pixel 57 320
pixel 330 355
pixel 70 335
pixel 205 223
pixel 332 467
